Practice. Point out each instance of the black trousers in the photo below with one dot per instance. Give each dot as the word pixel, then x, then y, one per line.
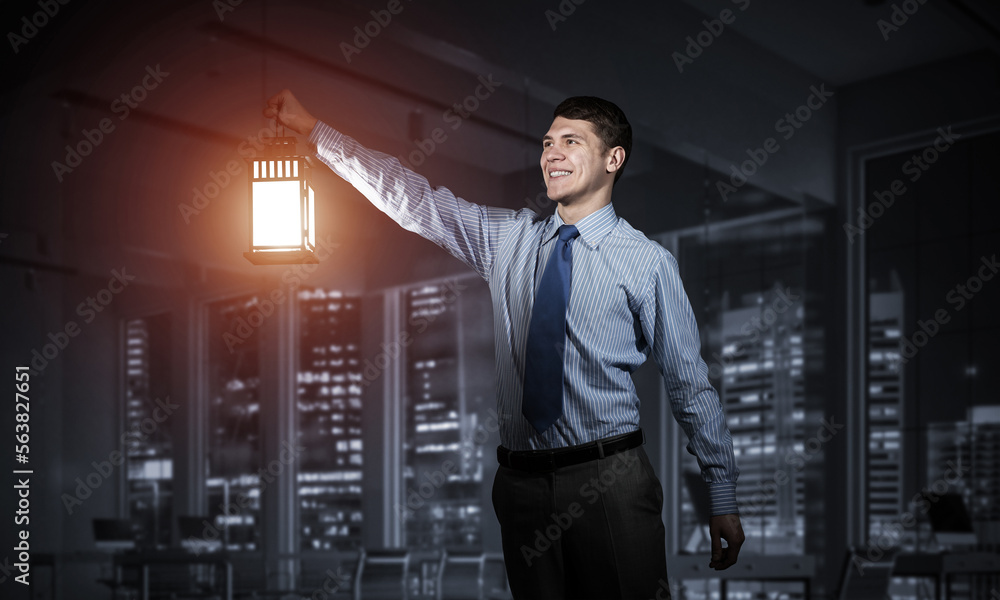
pixel 587 531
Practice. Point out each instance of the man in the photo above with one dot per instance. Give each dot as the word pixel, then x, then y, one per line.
pixel 580 299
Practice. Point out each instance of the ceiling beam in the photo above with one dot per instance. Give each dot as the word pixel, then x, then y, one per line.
pixel 85 100
pixel 981 17
pixel 258 42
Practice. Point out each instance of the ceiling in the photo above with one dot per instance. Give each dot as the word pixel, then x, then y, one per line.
pixel 842 42
pixel 68 73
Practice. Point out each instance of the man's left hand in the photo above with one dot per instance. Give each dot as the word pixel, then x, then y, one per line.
pixel 729 528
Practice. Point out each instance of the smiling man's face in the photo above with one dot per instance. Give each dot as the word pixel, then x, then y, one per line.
pixel 575 162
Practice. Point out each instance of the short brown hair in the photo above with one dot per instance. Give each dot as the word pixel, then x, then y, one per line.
pixel 609 122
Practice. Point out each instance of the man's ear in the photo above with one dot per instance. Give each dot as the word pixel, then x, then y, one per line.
pixel 616 158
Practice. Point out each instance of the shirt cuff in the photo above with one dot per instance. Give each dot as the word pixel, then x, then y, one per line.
pixel 722 498
pixel 323 136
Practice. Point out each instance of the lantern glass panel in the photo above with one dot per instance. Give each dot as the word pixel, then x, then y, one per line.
pixel 277 218
pixel 312 217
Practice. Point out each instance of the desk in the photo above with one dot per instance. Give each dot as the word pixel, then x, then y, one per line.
pixel 750 567
pixel 944 566
pixel 143 560
pixel 58 560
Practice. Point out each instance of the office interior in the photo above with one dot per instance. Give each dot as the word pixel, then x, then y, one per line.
pixel 201 426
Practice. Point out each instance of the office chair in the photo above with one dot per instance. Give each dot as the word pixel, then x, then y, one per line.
pixel 472 576
pixel 461 576
pixel 864 579
pixel 495 585
pixel 114 535
pixel 381 575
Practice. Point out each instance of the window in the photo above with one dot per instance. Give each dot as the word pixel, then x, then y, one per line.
pixel 149 446
pixel 755 273
pixel 447 387
pixel 931 299
pixel 759 347
pixel 330 484
pixel 233 462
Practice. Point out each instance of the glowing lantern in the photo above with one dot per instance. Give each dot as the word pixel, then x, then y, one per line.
pixel 282 207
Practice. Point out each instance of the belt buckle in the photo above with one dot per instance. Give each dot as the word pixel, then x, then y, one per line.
pixel 525 462
pixel 539 463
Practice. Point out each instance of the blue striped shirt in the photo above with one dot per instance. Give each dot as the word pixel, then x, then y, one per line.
pixel 626 302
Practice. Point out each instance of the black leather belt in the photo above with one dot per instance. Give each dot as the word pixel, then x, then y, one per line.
pixel 540 461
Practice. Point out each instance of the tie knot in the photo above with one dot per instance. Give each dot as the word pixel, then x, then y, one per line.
pixel 568 232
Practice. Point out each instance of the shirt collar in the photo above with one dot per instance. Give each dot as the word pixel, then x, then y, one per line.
pixel 593 228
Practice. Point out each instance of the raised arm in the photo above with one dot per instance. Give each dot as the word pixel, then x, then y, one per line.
pixel 470 232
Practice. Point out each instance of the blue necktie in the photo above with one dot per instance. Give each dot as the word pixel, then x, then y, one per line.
pixel 541 402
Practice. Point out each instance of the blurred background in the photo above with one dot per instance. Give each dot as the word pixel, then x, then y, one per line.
pixel 199 426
